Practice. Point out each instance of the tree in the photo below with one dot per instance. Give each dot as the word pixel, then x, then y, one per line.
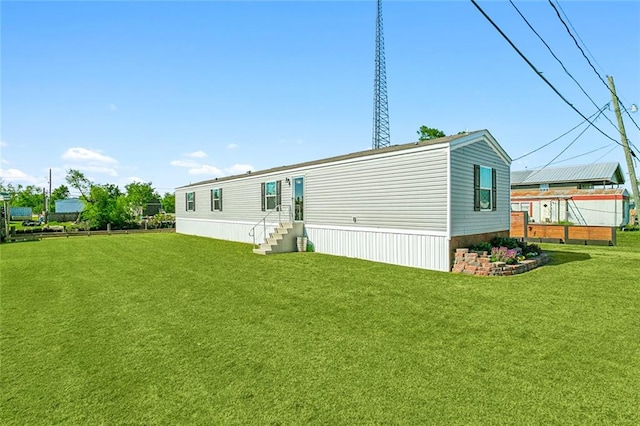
pixel 425 133
pixel 139 195
pixel 169 202
pixel 106 204
pixel 76 179
pixel 30 196
pixel 11 190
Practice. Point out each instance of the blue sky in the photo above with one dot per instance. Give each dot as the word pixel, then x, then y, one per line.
pixel 178 92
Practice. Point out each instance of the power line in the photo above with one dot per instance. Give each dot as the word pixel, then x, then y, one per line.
pixel 558 59
pixel 579 38
pixel 581 155
pixel 605 154
pixel 561 136
pixel 564 150
pixel 590 64
pixel 539 73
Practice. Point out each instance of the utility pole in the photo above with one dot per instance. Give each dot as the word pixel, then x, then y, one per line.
pixel 625 145
pixel 44 203
pixel 49 200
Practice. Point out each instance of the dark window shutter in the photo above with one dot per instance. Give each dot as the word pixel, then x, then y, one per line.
pixel 278 193
pixel 220 195
pixel 262 189
pixel 213 199
pixel 494 193
pixel 186 201
pixel 194 201
pixel 476 187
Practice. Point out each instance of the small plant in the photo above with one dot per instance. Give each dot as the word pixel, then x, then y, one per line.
pixel 530 249
pixel 504 254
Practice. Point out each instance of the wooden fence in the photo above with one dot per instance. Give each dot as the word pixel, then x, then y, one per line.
pixel 562 234
pixel 30 236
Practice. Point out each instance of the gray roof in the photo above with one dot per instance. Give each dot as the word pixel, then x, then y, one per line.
pixel 601 173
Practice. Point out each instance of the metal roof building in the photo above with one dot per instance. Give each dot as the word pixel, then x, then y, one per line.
pixel 583 195
pixel 596 174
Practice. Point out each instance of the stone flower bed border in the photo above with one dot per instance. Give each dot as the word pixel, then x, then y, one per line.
pixel 475 263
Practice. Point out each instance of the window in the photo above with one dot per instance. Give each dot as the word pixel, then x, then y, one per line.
pixel 216 199
pixel 544 187
pixel 190 201
pixel 271 195
pixel 484 184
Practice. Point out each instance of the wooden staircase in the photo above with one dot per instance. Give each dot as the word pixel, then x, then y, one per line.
pixel 282 240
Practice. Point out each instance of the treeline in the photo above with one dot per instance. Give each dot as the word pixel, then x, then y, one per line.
pixel 104 203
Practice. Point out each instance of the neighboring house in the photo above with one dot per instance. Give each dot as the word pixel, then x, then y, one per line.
pixel 410 204
pixel 69 205
pixel 583 195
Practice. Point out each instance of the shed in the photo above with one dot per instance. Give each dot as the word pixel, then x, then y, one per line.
pixel 410 204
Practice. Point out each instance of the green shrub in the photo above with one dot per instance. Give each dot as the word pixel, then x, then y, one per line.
pixel 485 246
pixel 507 242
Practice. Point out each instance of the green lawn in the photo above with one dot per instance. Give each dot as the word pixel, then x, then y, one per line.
pixel 173 329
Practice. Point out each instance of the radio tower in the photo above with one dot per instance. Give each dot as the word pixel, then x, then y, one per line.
pixel 381 136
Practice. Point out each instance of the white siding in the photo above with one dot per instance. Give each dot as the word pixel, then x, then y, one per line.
pixel 221 230
pixel 397 247
pixel 464 220
pixel 240 199
pixel 405 191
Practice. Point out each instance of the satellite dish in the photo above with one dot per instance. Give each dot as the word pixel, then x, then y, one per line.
pixel 634 108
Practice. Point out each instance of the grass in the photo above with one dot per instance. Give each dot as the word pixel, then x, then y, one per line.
pixel 174 329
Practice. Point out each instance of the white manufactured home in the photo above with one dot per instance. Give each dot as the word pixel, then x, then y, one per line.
pixel 410 204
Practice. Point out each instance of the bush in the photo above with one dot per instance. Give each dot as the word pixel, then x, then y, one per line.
pixel 510 243
pixel 481 247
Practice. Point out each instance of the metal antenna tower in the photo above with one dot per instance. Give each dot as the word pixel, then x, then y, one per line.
pixel 381 135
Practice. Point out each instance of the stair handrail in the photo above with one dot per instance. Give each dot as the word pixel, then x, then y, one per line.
pixel 277 209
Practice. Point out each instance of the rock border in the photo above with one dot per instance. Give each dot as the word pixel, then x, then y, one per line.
pixel 479 263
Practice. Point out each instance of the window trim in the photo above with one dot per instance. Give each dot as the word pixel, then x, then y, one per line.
pixel 478 188
pixel 187 202
pixel 214 199
pixel 263 195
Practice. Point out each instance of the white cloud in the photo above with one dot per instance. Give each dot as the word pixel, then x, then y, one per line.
pixel 3 144
pixel 232 146
pixel 113 107
pixel 15 175
pixel 237 169
pixel 88 155
pixel 4 161
pixel 95 169
pixel 196 154
pixel 184 163
pixel 206 169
